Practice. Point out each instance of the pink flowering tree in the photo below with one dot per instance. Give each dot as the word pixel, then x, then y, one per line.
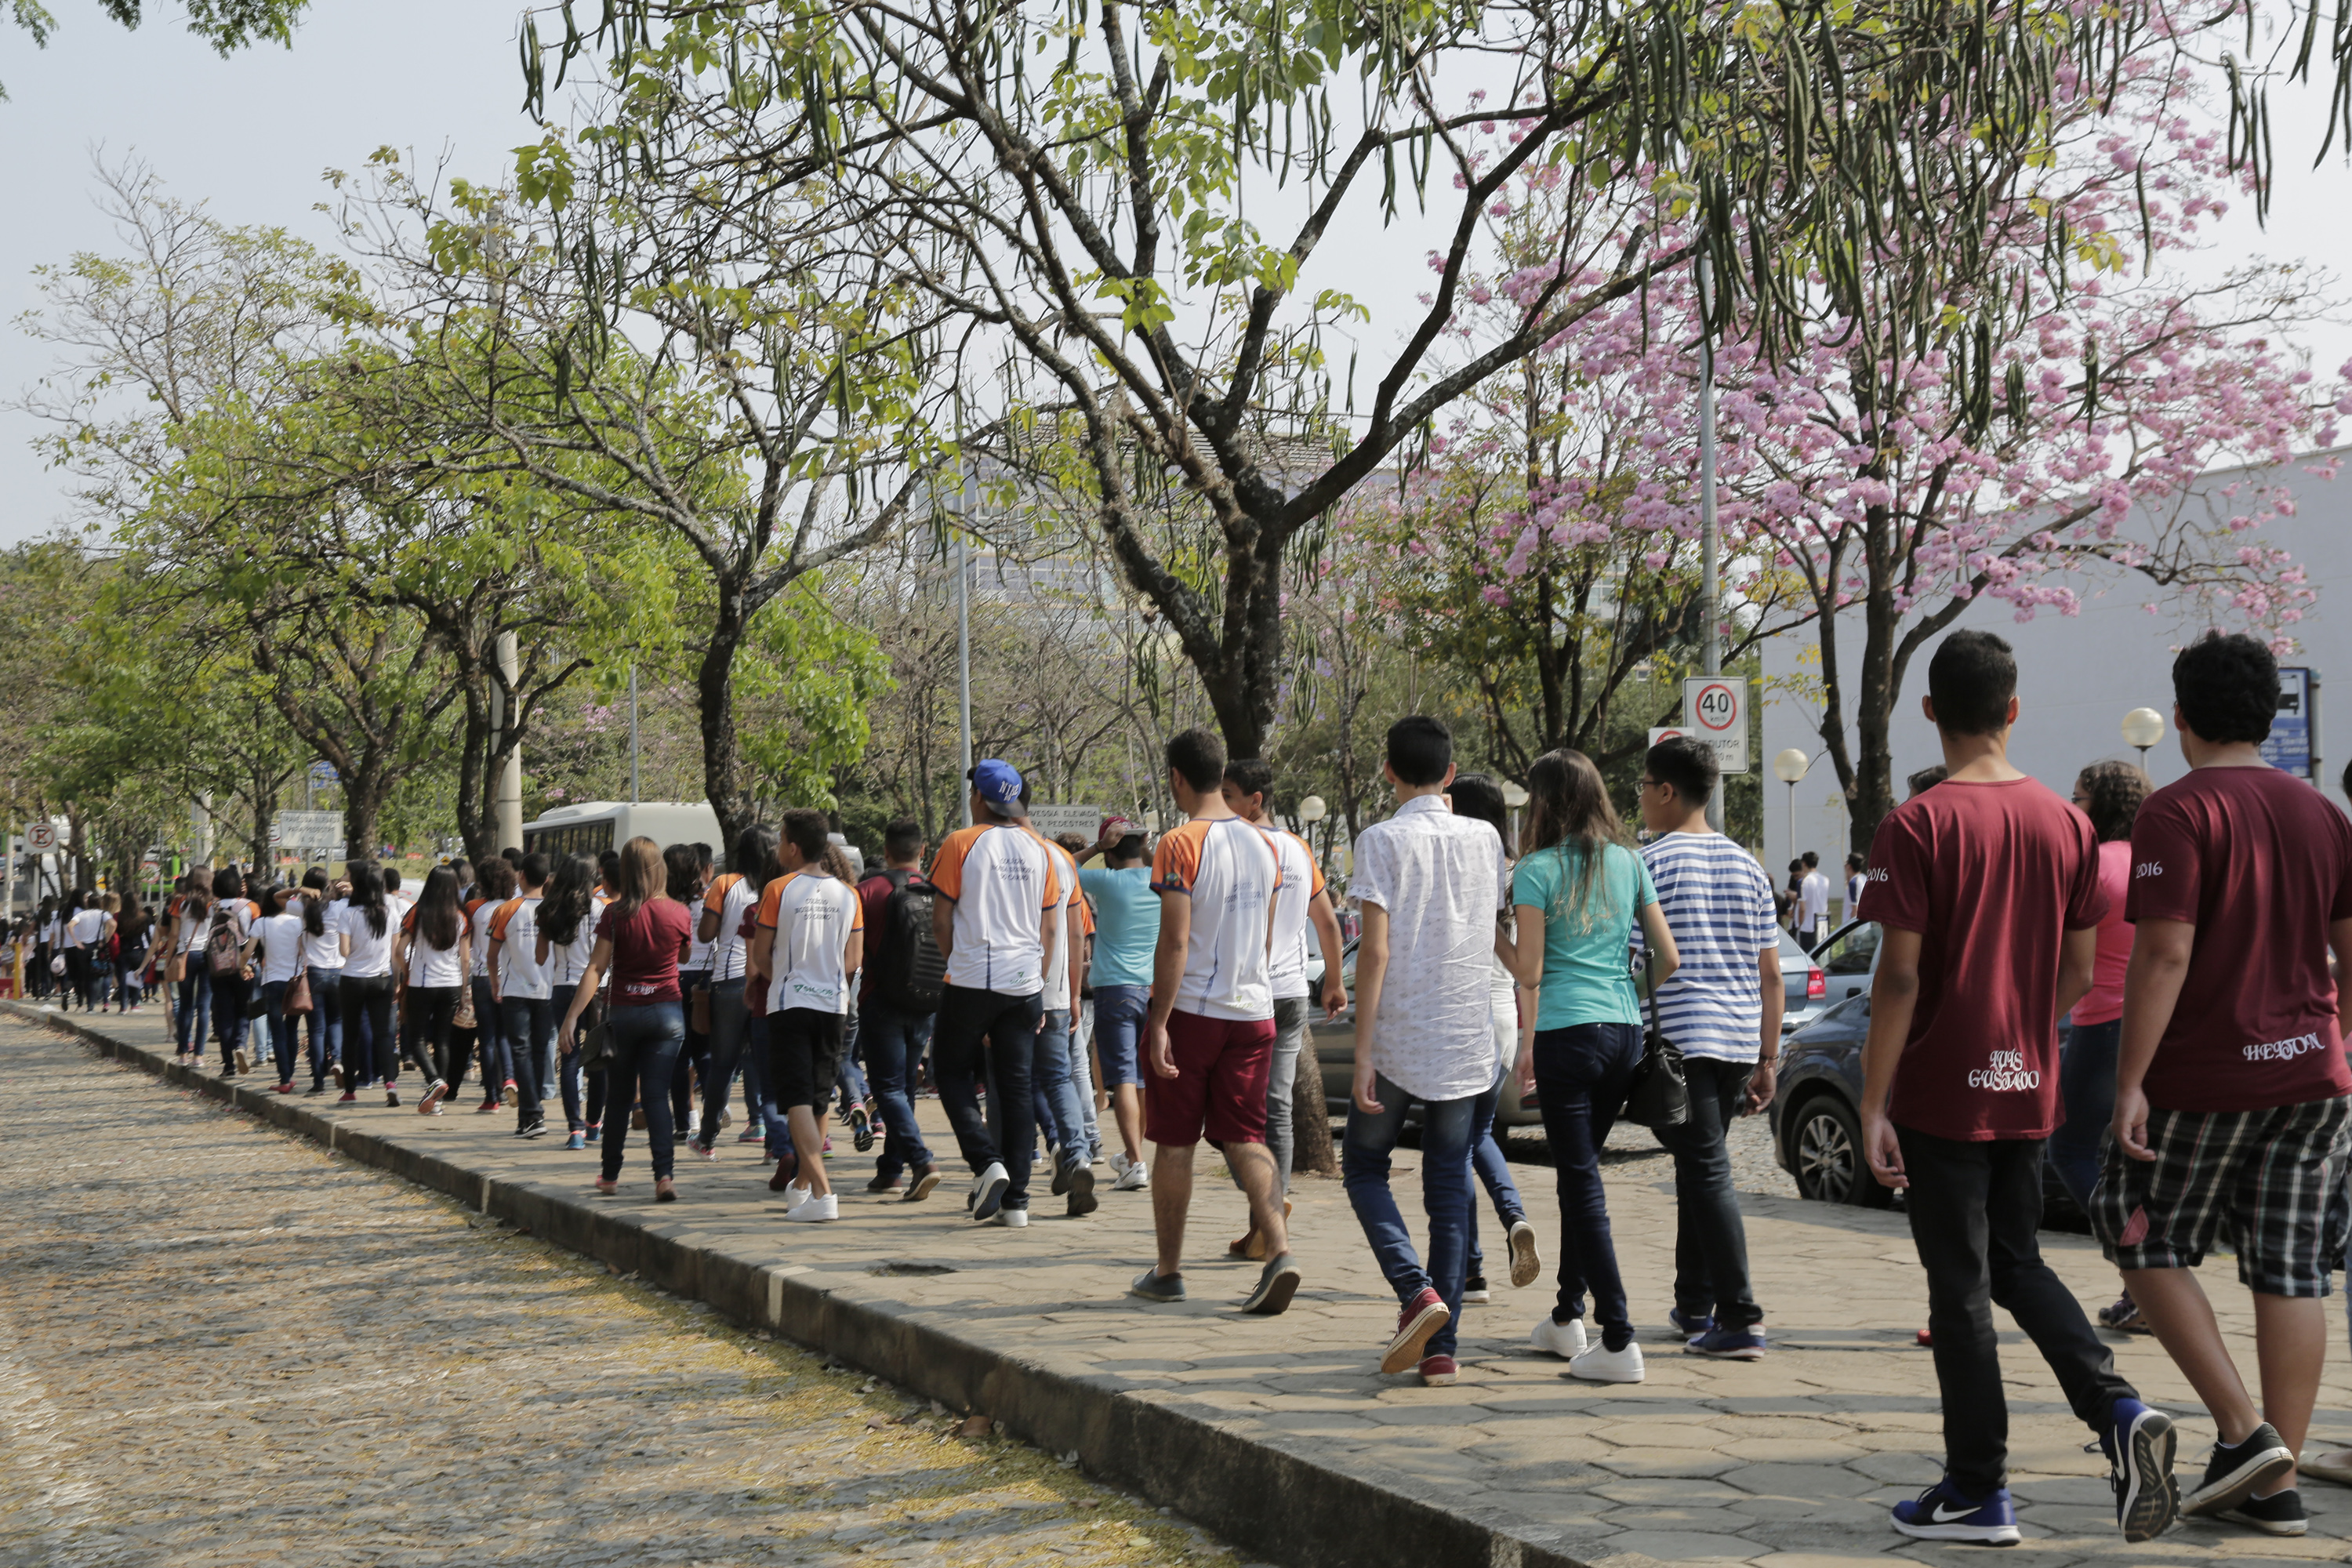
pixel 1878 480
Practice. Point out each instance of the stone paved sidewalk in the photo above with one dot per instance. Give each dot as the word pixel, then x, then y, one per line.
pixel 223 1347
pixel 1789 1461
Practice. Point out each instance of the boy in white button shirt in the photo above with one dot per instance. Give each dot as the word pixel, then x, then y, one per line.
pixel 1432 888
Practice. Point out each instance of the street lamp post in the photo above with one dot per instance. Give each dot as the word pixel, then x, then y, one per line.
pixel 1514 797
pixel 2143 728
pixel 1311 811
pixel 1790 767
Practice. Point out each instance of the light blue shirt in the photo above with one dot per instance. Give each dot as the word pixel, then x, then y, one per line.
pixel 1127 923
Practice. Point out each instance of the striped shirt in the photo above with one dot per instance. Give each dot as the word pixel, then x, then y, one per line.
pixel 1718 903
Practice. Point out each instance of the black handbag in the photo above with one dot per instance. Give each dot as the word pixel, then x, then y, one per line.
pixel 1659 1095
pixel 595 1047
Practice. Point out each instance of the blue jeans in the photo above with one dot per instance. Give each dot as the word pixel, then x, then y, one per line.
pixel 645 1045
pixel 1494 1172
pixel 728 1021
pixel 284 1030
pixel 1054 1087
pixel 1444 1192
pixel 987 1032
pixel 490 1034
pixel 529 1027
pixel 569 1071
pixel 2087 1091
pixel 1120 1012
pixel 1581 1074
pixel 893 1042
pixel 324 1026
pixel 196 1005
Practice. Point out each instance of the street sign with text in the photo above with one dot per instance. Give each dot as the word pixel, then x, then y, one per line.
pixel 1715 710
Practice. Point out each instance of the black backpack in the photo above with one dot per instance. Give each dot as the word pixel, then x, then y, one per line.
pixel 912 973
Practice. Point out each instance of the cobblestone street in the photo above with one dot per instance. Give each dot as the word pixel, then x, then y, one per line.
pixel 222 1345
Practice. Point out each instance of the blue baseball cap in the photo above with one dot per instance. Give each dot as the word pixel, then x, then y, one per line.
pixel 999 785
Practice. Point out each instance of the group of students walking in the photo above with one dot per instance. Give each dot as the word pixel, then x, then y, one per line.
pixel 87 948
pixel 1163 1000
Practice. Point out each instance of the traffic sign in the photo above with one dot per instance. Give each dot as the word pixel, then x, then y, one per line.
pixel 1668 734
pixel 41 837
pixel 1052 821
pixel 308 829
pixel 2288 747
pixel 323 773
pixel 1715 710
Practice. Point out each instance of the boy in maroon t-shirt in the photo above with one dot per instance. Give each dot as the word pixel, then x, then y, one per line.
pixel 1987 890
pixel 2230 1086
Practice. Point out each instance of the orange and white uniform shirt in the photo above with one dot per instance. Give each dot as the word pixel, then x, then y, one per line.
pixel 1302 880
pixel 809 916
pixel 1231 871
pixel 1002 880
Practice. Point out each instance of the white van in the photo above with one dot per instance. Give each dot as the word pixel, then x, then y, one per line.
pixel 595 826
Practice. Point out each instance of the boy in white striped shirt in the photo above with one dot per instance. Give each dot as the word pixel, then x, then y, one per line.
pixel 1723 1007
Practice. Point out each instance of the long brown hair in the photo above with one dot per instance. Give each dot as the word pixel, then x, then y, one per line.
pixel 644 876
pixel 1569 809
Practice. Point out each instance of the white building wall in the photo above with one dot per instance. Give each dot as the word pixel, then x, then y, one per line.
pixel 2077 675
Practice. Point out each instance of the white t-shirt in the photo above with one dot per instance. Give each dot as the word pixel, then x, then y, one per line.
pixel 371 954
pixel 1813 904
pixel 282 948
pixel 323 953
pixel 728 896
pixel 566 962
pixel 516 927
pixel 478 935
pixel 811 915
pixel 1057 973
pixel 1302 878
pixel 52 931
pixel 434 966
pixel 87 926
pixel 192 924
pixel 1000 880
pixel 1231 871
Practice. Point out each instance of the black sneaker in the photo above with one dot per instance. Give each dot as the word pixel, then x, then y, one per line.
pixel 1080 1185
pixel 2281 1513
pixel 1475 1291
pixel 2238 1470
pixel 536 1130
pixel 882 1184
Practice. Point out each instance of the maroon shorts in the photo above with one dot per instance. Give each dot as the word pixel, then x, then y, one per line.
pixel 1219 1090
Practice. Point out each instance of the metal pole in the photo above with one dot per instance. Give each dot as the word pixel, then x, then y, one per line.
pixel 1710 542
pixel 964 662
pixel 636 787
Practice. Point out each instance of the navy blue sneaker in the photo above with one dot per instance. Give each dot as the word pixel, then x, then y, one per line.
pixel 2139 1442
pixel 1690 1325
pixel 1728 1343
pixel 1941 1513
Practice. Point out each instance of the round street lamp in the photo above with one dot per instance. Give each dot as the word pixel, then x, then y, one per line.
pixel 1789 767
pixel 2143 728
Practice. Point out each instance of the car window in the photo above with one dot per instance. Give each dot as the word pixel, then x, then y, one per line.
pixel 1852 952
pixel 1793 952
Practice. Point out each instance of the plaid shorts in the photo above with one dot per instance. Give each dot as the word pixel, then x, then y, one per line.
pixel 2276 1177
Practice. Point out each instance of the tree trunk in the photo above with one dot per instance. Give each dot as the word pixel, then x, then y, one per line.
pixel 1310 1118
pixel 476 825
pixel 364 794
pixel 714 686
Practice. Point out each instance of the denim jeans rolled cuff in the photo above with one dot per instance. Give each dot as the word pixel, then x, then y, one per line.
pixel 894 1041
pixel 1711 1277
pixel 1364 1159
pixel 645 1043
pixel 1493 1170
pixel 1582 1074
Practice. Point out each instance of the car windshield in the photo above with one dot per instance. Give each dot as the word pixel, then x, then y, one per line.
pixel 1852 952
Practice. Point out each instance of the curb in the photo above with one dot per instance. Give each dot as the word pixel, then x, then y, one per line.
pixel 1287 1508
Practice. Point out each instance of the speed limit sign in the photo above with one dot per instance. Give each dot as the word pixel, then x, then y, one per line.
pixel 41 837
pixel 1714 709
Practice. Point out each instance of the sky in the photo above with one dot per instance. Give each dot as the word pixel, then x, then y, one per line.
pixel 253 134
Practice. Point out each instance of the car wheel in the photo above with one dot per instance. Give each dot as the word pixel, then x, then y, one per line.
pixel 1826 1157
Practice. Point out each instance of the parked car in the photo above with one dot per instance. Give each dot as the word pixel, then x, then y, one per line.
pixel 1334 1040
pixel 1817 1119
pixel 1841 967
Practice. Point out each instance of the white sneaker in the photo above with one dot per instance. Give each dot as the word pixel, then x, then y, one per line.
pixel 988 1192
pixel 1119 1163
pixel 1133 1177
pixel 1565 1340
pixel 1601 1364
pixel 813 1210
pixel 1011 1219
pixel 796 1194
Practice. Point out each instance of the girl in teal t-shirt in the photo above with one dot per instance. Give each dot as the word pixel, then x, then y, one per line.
pixel 1576 893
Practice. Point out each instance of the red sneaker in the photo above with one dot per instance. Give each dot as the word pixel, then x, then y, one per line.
pixel 1422 1317
pixel 349 1096
pixel 1437 1371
